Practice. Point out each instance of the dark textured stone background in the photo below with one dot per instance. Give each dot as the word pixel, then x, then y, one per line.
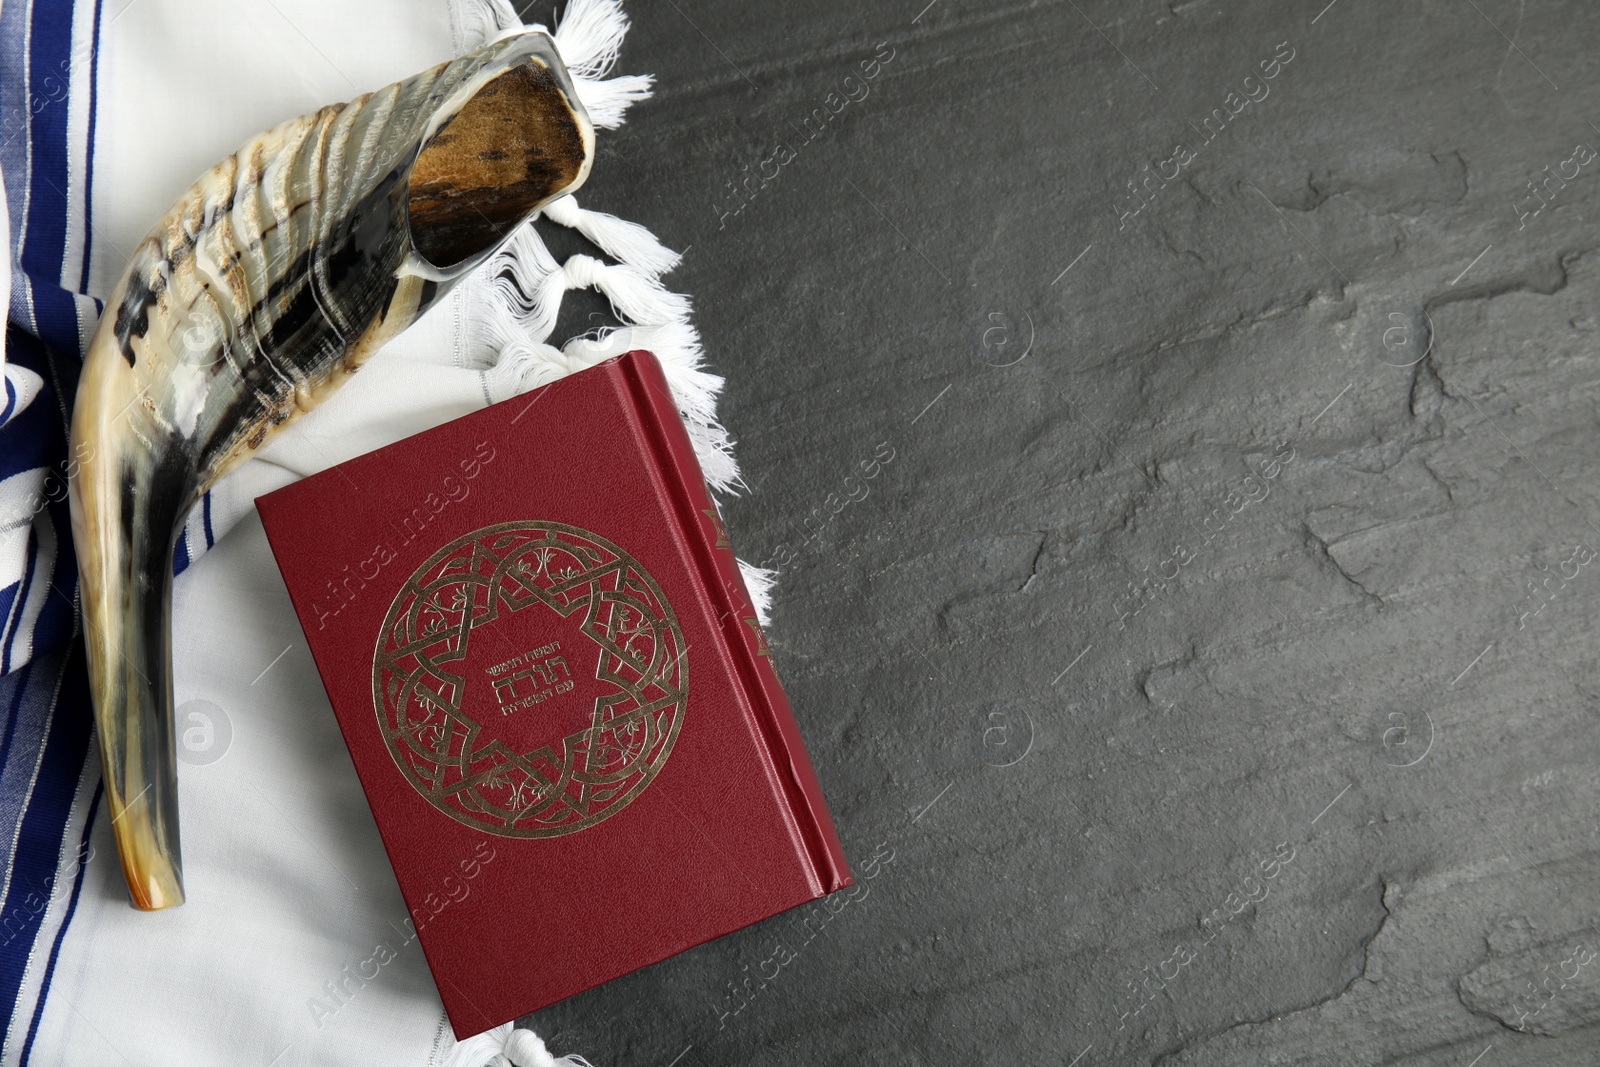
pixel 1366 614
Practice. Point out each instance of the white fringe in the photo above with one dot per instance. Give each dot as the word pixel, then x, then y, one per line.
pixel 477 22
pixel 507 1047
pixel 759 581
pixel 625 241
pixel 589 36
pixel 513 302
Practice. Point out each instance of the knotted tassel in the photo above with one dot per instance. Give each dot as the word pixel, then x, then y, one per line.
pixel 505 1046
pixel 624 241
pixel 514 313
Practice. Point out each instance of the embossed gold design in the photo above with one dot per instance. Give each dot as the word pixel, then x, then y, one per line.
pixel 761 636
pixel 716 522
pixel 419 679
pixel 716 518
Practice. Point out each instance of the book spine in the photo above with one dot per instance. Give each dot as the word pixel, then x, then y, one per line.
pixel 788 762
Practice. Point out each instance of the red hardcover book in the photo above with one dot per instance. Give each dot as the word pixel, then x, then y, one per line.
pixel 546 665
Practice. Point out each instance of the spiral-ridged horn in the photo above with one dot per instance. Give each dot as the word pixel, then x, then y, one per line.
pixel 264 288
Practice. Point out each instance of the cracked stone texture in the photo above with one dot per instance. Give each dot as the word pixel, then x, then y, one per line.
pixel 1121 558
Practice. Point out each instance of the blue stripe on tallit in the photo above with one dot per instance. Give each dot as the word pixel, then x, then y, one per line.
pixel 8 597
pixel 61 934
pixel 49 80
pixel 58 620
pixel 13 625
pixel 33 437
pixel 88 156
pixel 43 828
pixel 11 699
pixel 47 705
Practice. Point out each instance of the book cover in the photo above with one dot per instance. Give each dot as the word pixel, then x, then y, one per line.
pixel 547 668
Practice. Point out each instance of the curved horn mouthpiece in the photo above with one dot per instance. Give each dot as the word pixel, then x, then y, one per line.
pixel 269 283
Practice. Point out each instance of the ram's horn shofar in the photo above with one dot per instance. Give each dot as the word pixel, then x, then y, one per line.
pixel 263 290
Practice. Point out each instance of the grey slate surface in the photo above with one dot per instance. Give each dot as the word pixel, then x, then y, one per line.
pixel 1129 561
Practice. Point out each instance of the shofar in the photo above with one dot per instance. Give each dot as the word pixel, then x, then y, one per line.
pixel 267 285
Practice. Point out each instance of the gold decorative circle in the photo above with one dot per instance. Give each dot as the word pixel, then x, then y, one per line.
pixel 530 679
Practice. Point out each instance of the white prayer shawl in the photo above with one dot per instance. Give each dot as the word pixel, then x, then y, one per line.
pixel 293 947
